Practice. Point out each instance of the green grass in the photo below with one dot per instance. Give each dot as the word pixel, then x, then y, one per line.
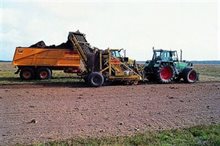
pixel 195 136
pixel 208 70
pixel 7 76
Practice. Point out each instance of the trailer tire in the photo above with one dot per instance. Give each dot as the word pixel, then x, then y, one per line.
pixel 189 75
pixel 44 73
pixel 95 79
pixel 27 73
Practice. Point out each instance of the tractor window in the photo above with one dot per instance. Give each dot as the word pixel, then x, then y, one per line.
pixel 165 55
pixel 116 54
pixel 174 56
pixel 157 55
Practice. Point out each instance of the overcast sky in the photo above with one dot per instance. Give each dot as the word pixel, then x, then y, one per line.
pixel 135 25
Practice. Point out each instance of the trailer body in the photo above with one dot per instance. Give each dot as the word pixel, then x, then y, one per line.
pixel 45 59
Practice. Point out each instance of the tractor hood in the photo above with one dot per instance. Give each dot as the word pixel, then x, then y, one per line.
pixel 182 65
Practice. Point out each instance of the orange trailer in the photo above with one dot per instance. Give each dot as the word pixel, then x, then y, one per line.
pixel 39 62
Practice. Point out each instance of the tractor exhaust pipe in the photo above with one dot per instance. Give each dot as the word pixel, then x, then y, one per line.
pixel 181 55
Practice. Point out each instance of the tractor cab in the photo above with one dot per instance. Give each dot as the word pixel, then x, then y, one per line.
pixel 165 56
pixel 117 53
pixel 120 55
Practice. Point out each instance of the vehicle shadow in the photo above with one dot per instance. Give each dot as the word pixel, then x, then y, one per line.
pixel 77 84
pixel 54 82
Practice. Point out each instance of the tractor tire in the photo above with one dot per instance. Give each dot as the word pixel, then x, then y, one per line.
pixel 165 74
pixel 44 73
pixel 27 73
pixel 189 75
pixel 95 79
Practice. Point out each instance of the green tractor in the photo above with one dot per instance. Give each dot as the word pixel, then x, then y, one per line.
pixel 165 67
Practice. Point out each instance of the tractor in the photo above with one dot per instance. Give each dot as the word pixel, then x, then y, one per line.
pixel 165 67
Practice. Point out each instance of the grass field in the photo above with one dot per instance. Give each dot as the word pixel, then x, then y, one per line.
pixel 194 136
pixel 208 72
pixel 7 76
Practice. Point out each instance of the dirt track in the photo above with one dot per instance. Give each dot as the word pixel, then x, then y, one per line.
pixel 33 113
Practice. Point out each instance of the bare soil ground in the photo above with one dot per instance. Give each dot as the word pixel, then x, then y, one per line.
pixel 37 113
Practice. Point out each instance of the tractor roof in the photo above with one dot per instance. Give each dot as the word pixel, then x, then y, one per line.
pixel 161 50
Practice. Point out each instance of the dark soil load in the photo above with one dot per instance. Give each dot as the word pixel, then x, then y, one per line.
pixel 41 44
pixel 92 63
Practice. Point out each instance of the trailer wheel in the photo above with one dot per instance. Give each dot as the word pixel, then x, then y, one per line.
pixel 95 79
pixel 189 75
pixel 44 73
pixel 27 73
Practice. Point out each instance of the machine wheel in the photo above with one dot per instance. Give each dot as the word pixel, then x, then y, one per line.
pixel 189 75
pixel 44 73
pixel 165 74
pixel 95 79
pixel 27 73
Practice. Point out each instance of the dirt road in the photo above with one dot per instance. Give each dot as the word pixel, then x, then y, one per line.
pixel 38 113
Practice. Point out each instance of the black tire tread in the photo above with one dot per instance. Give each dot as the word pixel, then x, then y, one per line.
pixel 92 82
pixel 186 72
pixel 158 77
pixel 44 69
pixel 30 69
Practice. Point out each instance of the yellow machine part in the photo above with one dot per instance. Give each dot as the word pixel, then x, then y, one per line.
pixel 46 57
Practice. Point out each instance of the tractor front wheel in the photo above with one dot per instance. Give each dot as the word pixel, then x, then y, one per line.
pixel 165 74
pixel 189 75
pixel 96 79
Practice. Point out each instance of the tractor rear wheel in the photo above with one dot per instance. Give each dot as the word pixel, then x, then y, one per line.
pixel 165 74
pixel 27 73
pixel 44 73
pixel 96 79
pixel 189 75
